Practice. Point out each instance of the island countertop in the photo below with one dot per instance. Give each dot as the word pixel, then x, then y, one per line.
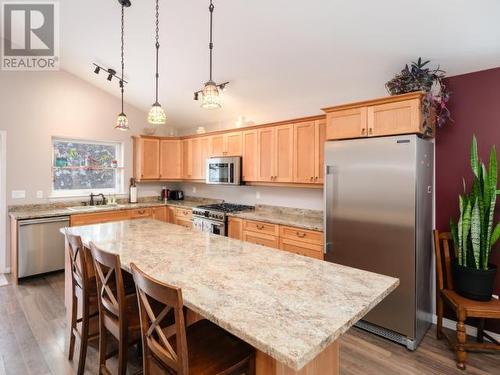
pixel 288 306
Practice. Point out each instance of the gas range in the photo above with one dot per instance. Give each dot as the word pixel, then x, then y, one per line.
pixel 212 218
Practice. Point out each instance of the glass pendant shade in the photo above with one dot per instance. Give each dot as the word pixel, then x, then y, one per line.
pixel 210 96
pixel 122 122
pixel 157 115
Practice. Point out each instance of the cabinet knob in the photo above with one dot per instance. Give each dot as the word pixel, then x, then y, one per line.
pixel 370 131
pixel 363 131
pixel 312 178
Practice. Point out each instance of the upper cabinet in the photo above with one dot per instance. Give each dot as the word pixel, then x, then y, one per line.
pixel 156 159
pixel 249 155
pixel 399 114
pixel 226 144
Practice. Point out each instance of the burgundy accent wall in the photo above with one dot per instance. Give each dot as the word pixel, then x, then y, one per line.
pixel 475 109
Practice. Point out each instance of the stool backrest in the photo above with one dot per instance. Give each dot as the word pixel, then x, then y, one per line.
pixel 80 260
pixel 155 295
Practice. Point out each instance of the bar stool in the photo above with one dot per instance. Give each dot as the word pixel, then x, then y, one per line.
pixel 83 287
pixel 200 349
pixel 118 311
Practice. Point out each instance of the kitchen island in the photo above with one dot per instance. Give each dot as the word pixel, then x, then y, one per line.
pixel 291 308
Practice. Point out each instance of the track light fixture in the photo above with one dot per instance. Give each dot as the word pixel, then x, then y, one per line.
pixel 111 74
pixel 97 70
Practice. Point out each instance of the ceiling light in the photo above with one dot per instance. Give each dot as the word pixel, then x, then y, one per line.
pixel 97 69
pixel 122 120
pixel 211 95
pixel 156 114
pixel 111 74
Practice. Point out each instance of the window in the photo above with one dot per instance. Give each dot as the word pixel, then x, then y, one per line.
pixel 83 167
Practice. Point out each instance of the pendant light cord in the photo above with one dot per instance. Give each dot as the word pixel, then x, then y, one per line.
pixel 157 45
pixel 122 51
pixel 211 44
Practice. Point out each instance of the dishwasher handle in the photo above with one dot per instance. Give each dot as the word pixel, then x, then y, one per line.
pixel 44 220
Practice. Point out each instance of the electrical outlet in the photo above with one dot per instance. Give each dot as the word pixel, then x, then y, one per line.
pixel 18 194
pixel 257 195
pixel 194 189
pixel 39 194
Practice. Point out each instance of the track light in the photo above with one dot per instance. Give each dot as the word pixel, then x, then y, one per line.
pixel 97 69
pixel 112 73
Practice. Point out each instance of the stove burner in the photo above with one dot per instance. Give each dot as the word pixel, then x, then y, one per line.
pixel 225 207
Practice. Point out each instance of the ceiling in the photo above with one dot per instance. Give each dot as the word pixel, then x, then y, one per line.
pixel 284 58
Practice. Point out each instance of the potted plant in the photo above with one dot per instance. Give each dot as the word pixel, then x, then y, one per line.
pixel 419 77
pixel 474 235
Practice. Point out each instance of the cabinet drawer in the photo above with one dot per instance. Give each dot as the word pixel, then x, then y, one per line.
pixel 88 219
pixel 260 227
pixel 183 213
pixel 302 248
pixel 302 235
pixel 261 239
pixel 184 222
pixel 140 213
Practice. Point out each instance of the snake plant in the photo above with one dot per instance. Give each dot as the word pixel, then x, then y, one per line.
pixel 474 235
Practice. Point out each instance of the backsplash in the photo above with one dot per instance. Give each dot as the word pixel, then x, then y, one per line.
pixel 304 198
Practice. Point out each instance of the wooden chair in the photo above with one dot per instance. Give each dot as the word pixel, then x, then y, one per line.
pixel 463 307
pixel 118 311
pixel 200 349
pixel 83 287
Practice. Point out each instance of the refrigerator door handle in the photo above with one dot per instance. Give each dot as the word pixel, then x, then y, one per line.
pixel 329 196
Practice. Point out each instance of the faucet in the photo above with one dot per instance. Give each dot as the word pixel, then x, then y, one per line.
pixel 94 203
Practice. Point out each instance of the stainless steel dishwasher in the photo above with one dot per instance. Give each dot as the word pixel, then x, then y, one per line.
pixel 41 245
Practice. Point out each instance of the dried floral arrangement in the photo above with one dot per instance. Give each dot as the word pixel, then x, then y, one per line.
pixel 419 77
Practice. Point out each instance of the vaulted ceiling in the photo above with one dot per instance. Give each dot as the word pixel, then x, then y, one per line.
pixel 284 58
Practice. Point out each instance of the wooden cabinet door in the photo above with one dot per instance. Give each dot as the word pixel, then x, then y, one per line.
pixel 265 154
pixel 204 155
pixel 283 154
pixel 171 214
pixel 304 152
pixel 150 158
pixel 261 239
pixel 160 213
pixel 140 213
pixel 217 145
pixel 170 159
pixel 187 167
pixel 250 156
pixel 235 228
pixel 402 117
pixel 349 123
pixel 233 144
pixel 196 173
pixel 96 218
pixel 319 154
pixel 301 248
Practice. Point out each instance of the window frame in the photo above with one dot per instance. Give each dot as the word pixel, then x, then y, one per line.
pixel 120 170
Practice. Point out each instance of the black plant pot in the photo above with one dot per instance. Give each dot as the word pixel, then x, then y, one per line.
pixel 474 284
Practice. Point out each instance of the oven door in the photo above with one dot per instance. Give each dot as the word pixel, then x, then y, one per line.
pixel 209 226
pixel 223 171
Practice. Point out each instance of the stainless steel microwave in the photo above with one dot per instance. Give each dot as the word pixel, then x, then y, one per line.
pixel 224 171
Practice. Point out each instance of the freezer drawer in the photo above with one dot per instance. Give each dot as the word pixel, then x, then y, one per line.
pixel 41 245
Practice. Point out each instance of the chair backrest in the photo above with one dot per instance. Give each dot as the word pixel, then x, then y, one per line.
pixel 442 248
pixel 155 295
pixel 110 289
pixel 81 262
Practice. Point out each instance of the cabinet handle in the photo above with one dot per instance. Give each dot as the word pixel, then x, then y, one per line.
pixel 363 131
pixel 260 227
pixel 312 178
pixel 300 235
pixel 370 131
pixel 142 212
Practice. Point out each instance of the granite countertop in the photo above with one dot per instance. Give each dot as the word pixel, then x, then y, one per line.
pixel 66 209
pixel 306 219
pixel 288 306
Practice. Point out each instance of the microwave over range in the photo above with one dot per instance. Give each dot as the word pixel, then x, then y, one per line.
pixel 224 171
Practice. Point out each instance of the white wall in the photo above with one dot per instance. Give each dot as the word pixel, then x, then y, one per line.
pixel 35 106
pixel 3 206
pixel 276 196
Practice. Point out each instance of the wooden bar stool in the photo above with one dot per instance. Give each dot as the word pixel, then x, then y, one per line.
pixel 464 308
pixel 118 311
pixel 84 294
pixel 200 349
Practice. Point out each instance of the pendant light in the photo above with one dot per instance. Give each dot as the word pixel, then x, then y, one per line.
pixel 122 120
pixel 156 114
pixel 211 93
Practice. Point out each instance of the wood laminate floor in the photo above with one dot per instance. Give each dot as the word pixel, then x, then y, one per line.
pixel 33 341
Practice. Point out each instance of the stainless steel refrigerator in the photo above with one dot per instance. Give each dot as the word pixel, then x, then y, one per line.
pixel 378 217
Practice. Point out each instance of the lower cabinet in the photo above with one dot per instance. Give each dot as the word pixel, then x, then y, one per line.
pixel 184 217
pixel 160 213
pixel 292 239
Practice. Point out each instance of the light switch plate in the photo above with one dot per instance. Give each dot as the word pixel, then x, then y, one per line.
pixel 39 194
pixel 18 194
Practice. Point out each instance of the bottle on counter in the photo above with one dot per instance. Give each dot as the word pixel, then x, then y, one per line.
pixel 132 191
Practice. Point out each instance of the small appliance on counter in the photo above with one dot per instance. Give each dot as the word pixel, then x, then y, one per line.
pixel 132 195
pixel 165 194
pixel 212 218
pixel 176 195
pixel 224 171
